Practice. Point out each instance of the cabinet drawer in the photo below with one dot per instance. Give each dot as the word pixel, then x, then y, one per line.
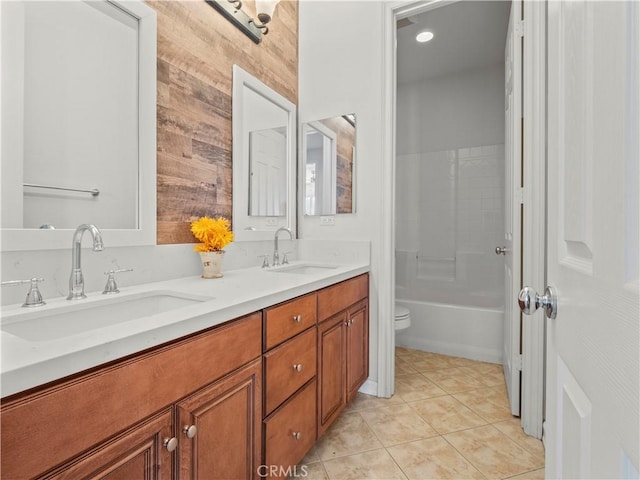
pixel 291 431
pixel 287 320
pixel 288 367
pixel 336 298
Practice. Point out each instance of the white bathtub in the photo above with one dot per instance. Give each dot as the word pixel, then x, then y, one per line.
pixel 442 325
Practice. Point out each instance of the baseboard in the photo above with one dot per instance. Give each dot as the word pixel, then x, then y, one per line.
pixel 369 387
pixel 454 349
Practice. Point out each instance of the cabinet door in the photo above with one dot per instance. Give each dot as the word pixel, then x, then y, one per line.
pixel 137 454
pixel 227 417
pixel 331 370
pixel 357 347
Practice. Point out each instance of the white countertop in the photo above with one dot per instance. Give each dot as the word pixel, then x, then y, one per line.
pixel 28 363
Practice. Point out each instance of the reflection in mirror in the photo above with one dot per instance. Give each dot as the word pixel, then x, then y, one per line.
pixel 268 172
pixel 264 145
pixel 78 122
pixel 320 169
pixel 328 165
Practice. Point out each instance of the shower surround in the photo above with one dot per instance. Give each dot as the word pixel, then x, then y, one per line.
pixel 450 217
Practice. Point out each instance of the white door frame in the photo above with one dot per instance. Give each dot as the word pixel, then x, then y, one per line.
pixel 534 221
pixel 392 11
pixel 534 192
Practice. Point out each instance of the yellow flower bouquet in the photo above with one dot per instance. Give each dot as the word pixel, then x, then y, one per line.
pixel 213 233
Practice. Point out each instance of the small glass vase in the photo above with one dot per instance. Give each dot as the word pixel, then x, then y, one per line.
pixel 212 264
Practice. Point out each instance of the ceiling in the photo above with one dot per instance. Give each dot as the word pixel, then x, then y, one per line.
pixel 468 35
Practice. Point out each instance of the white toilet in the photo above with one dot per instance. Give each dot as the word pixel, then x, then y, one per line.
pixel 402 317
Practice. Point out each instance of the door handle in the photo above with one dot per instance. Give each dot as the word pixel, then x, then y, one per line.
pixel 501 250
pixel 530 301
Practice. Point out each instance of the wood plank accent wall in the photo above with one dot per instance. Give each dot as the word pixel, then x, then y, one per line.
pixel 197 48
pixel 346 140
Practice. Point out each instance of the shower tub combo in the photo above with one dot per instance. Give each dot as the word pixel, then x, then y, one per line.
pixel 452 318
pixel 472 330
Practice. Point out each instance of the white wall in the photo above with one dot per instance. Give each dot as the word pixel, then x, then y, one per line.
pixel 340 71
pixel 452 111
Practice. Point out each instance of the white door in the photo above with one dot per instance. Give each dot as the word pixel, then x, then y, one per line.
pixel 512 247
pixel 592 401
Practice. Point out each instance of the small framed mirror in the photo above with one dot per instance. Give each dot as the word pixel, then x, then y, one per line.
pixel 264 161
pixel 327 166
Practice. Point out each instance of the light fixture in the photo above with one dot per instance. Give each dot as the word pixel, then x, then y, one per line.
pixel 254 29
pixel 265 9
pixel 425 36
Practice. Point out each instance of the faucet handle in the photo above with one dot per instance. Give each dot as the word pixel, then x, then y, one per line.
pixel 285 260
pixel 112 286
pixel 265 260
pixel 34 297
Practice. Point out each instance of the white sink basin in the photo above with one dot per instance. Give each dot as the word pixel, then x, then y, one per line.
pixel 305 269
pixel 81 316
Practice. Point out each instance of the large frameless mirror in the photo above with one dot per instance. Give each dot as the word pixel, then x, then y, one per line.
pixel 328 165
pixel 78 122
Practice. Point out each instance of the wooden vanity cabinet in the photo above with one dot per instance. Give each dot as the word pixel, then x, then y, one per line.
pixel 217 404
pixel 113 421
pixel 343 346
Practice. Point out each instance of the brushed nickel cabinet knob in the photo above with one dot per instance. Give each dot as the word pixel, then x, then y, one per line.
pixel 190 430
pixel 170 443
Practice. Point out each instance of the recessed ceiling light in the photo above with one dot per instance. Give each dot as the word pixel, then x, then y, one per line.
pixel 424 37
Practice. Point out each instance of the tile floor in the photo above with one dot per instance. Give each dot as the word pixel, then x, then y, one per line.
pixel 449 419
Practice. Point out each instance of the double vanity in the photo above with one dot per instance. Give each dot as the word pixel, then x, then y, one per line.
pixel 187 378
pixel 183 378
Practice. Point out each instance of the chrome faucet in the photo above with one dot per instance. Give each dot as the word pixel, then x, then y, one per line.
pixel 276 255
pixel 76 281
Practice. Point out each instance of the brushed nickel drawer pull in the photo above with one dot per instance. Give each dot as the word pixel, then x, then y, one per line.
pixel 297 367
pixel 297 435
pixel 297 318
